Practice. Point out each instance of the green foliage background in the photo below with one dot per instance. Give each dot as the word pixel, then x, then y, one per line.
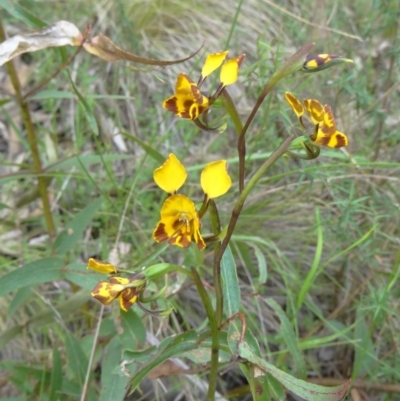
pixel 319 237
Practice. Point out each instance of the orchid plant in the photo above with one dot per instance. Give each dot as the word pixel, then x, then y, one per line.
pixel 180 221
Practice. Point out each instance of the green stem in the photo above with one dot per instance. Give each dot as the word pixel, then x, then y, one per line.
pixel 32 140
pixel 291 65
pixel 216 226
pixel 219 296
pixel 241 145
pixel 278 153
pixel 230 107
pixel 205 299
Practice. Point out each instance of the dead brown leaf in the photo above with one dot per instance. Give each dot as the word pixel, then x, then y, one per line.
pixel 62 33
pixel 102 47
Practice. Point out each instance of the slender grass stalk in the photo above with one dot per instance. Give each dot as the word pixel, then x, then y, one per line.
pixel 32 140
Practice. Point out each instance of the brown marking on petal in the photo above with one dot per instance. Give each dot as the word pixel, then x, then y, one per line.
pixel 323 140
pixel 184 114
pixel 196 93
pixel 184 240
pixel 187 104
pixel 341 139
pixel 200 243
pixel 159 234
pixel 328 125
pixel 126 300
pixel 171 104
pixel 315 110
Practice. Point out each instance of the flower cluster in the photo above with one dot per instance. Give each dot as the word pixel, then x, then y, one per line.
pixel 189 101
pixel 324 132
pixel 180 222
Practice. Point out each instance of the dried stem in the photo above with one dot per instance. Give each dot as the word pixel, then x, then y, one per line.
pixel 32 140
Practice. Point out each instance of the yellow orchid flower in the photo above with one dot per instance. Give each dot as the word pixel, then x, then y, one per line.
pixel 188 101
pixel 127 290
pixel 325 132
pixel 179 220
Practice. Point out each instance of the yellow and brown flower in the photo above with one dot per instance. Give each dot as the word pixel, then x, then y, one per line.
pixel 179 220
pixel 188 101
pixel 325 132
pixel 127 290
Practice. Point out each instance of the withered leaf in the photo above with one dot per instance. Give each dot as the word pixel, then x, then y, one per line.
pixel 62 33
pixel 102 47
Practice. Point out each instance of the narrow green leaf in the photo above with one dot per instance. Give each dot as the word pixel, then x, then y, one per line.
pixel 38 272
pixel 112 385
pixel 133 328
pixel 155 154
pixel 56 376
pixel 181 343
pixel 289 337
pixel 19 298
pixel 230 283
pixel 312 274
pixel 88 110
pixel 22 14
pixel 262 264
pixel 86 160
pixel 275 388
pixel 73 231
pixel 75 301
pixel 78 274
pixel 352 246
pixel 53 94
pixel 77 360
pixel 363 348
pixel 308 391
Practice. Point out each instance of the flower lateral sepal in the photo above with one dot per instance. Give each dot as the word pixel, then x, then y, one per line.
pixel 319 62
pixel 101 267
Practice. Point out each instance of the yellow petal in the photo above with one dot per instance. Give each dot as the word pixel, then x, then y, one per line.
pixel 215 179
pixel 335 140
pixel 327 135
pixel 315 110
pixel 101 267
pixel 295 104
pixel 213 61
pixel 185 86
pixel 106 292
pixel 171 175
pixel 230 70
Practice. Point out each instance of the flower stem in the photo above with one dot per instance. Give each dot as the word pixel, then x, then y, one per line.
pixel 241 145
pixel 214 334
pixel 276 155
pixel 32 140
